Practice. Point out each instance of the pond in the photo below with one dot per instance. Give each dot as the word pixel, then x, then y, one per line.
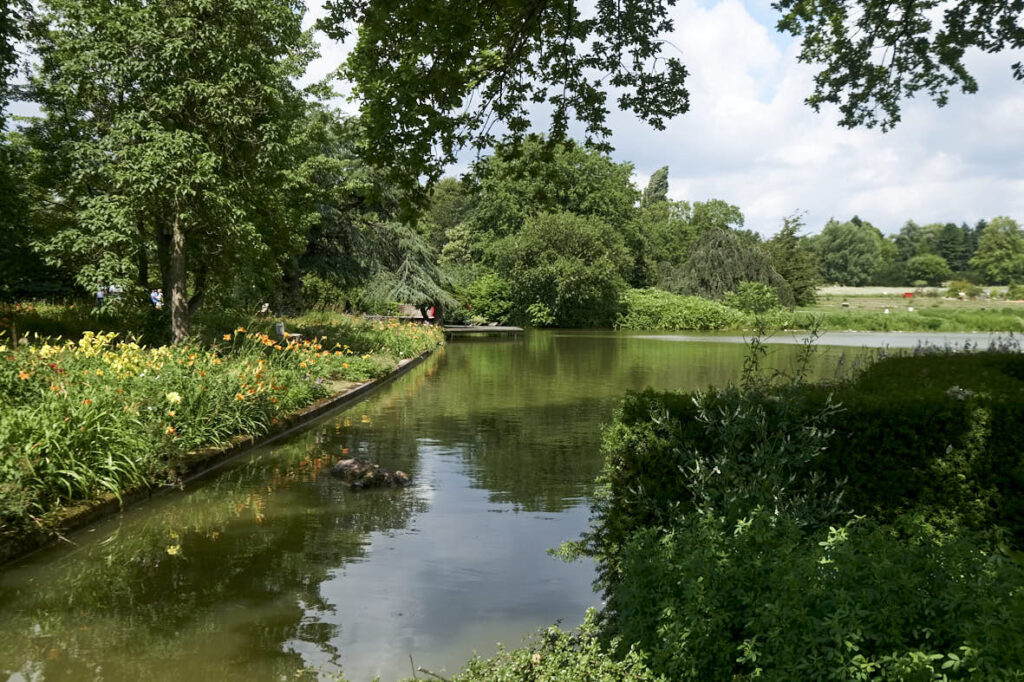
pixel 269 565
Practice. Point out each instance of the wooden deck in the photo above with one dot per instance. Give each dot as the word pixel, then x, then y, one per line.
pixel 458 329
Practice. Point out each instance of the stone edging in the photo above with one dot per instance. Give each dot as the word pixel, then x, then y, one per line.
pixel 193 465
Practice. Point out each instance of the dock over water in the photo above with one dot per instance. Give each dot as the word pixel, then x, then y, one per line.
pixel 462 329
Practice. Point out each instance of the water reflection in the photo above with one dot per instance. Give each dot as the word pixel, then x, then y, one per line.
pixel 271 565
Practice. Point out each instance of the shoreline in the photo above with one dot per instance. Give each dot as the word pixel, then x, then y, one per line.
pixel 194 465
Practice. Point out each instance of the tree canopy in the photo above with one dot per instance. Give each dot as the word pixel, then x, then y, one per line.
pixel 874 53
pixel 182 147
pixel 433 77
pixel 1000 254
pixel 850 252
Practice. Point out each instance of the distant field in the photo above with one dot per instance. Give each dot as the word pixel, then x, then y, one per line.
pixel 865 311
pixel 879 298
pixel 873 291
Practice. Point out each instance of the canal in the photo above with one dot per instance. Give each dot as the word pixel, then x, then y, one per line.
pixel 269 565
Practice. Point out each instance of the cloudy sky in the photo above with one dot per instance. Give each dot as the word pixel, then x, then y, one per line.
pixel 749 138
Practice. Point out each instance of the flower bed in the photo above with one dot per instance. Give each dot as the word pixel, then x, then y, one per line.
pixel 105 415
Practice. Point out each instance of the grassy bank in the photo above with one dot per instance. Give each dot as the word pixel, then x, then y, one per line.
pixel 654 310
pixel 104 414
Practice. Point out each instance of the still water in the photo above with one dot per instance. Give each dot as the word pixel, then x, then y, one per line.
pixel 269 565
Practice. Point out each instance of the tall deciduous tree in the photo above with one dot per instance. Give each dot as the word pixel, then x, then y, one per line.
pixel 433 76
pixel 13 16
pixel 173 122
pixel 565 269
pixel 1000 254
pixel 928 267
pixel 850 253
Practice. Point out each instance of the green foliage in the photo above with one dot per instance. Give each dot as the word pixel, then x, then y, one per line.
pixel 657 188
pixel 753 297
pixel 407 271
pixel 929 268
pixel 667 237
pixel 720 262
pixel 571 265
pixel 450 205
pixel 1015 292
pixel 1000 254
pixel 921 319
pixel 707 599
pixel 494 65
pixel 731 542
pixel 653 309
pixel 925 51
pixel 515 184
pixel 578 656
pixel 489 296
pixel 962 285
pixel 849 253
pixel 795 260
pixel 715 214
pixel 182 150
pixel 14 15
pixel 947 448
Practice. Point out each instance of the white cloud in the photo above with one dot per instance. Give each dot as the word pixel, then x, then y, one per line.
pixel 750 139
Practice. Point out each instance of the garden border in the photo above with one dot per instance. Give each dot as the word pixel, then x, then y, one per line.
pixel 192 466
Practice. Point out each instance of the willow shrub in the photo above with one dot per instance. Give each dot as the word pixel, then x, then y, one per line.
pixel 657 310
pixel 94 416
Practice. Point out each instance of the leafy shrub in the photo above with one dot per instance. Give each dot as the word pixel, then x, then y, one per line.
pixel 489 297
pixel 1015 292
pixel 928 268
pixel 970 290
pixel 935 433
pixel 573 265
pixel 753 297
pixel 706 599
pixel 557 655
pixel 729 543
pixel 653 309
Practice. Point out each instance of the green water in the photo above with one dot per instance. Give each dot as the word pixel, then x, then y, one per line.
pixel 269 565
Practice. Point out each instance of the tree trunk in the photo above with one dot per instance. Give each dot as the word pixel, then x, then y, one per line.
pixel 198 290
pixel 176 281
pixel 142 262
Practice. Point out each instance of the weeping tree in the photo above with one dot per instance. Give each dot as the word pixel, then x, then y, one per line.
pixel 720 262
pixel 356 240
pixel 406 271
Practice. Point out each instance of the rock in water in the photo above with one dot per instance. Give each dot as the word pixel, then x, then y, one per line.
pixel 362 474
